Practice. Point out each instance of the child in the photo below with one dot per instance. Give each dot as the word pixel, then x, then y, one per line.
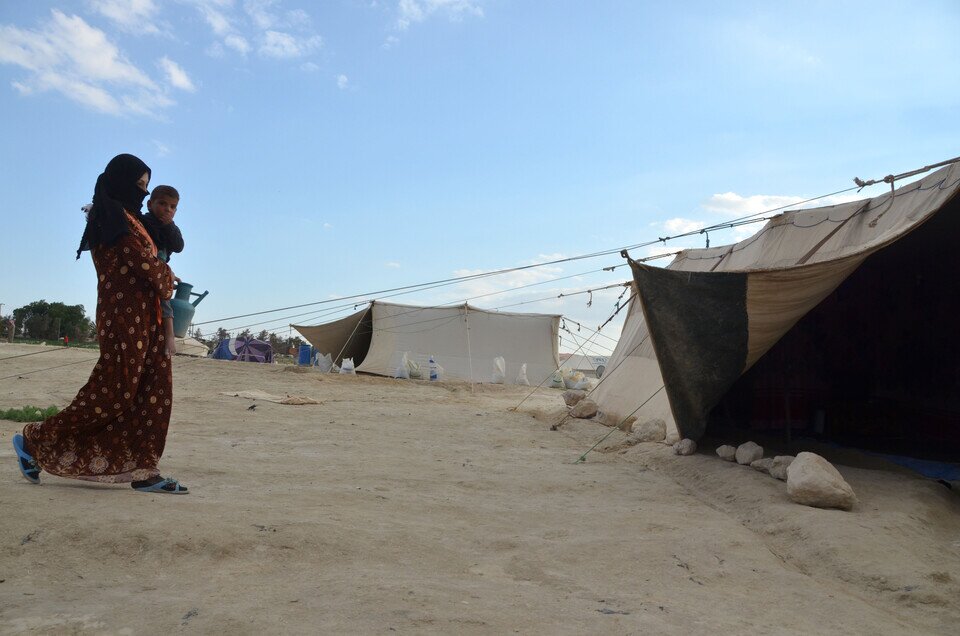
pixel 162 207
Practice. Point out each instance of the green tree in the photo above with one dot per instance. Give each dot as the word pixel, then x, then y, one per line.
pixel 50 321
pixel 264 335
pixel 222 334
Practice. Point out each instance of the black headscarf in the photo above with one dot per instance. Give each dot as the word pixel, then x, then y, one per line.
pixel 116 191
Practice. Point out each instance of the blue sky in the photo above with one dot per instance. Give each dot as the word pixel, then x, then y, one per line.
pixel 327 149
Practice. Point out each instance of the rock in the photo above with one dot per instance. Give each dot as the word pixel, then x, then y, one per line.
pixel 584 409
pixel 813 481
pixel 672 438
pixel 685 447
pixel 573 396
pixel 727 452
pixel 748 452
pixel 763 464
pixel 780 465
pixel 649 431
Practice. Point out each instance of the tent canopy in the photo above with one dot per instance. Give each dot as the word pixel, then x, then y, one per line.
pixel 464 340
pixel 244 350
pixel 696 327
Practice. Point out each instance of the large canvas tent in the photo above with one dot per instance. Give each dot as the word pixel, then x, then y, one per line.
pixel 465 340
pixel 840 319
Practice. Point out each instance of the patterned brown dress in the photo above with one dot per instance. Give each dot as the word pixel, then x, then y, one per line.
pixel 116 427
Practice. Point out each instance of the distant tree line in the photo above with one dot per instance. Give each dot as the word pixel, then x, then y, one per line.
pixel 41 320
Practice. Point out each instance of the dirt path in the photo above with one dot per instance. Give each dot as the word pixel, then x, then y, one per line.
pixel 408 507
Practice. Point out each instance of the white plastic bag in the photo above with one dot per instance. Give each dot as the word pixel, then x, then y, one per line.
pixel 346 368
pixel 574 379
pixel 324 362
pixel 413 369
pixel 334 368
pixel 522 376
pixel 556 382
pixel 403 371
pixel 499 370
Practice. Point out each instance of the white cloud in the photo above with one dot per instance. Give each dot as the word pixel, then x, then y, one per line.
pixel 238 43
pixel 391 41
pixel 681 226
pixel 67 55
pixel 328 226
pixel 731 203
pixel 162 149
pixel 280 45
pixel 413 11
pixel 212 12
pixel 266 15
pixel 176 76
pixel 132 16
pixel 260 12
pixel 310 67
pixel 393 265
pixel 342 81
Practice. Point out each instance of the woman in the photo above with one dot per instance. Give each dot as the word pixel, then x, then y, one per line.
pixel 115 429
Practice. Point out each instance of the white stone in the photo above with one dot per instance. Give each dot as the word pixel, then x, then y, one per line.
pixel 649 431
pixel 727 452
pixel 685 446
pixel 778 468
pixel 763 464
pixel 573 396
pixel 584 409
pixel 672 438
pixel 813 481
pixel 748 452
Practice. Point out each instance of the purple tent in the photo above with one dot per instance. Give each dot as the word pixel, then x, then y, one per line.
pixel 244 349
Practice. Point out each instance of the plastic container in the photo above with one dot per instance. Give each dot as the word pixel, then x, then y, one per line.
pixel 306 354
pixel 434 374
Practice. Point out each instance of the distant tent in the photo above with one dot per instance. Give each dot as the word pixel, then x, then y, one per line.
pixel 464 339
pixel 244 350
pixel 591 366
pixel 838 320
pixel 192 347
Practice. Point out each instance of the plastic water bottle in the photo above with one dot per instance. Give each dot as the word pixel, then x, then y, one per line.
pixel 433 369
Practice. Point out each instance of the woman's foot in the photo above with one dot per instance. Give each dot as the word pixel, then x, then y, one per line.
pixel 160 484
pixel 25 461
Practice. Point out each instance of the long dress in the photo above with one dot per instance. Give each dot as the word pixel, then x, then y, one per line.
pixel 115 429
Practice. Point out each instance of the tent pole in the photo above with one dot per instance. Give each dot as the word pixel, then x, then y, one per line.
pixel 466 319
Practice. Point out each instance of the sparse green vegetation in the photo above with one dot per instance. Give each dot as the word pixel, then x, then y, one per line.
pixel 28 413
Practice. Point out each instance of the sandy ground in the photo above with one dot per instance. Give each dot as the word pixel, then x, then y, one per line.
pixel 409 507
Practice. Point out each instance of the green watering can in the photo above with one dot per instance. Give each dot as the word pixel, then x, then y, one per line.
pixel 183 309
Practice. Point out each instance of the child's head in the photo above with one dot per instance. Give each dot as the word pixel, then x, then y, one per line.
pixel 163 200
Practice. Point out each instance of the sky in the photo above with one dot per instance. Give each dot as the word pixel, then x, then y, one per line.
pixel 332 149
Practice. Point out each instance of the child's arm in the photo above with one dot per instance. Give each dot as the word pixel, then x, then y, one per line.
pixel 171 238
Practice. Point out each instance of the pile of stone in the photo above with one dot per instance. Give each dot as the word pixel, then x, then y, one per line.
pixel 811 480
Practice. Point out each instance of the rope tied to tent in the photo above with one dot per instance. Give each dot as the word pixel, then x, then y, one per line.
pixel 583 457
pixel 891 178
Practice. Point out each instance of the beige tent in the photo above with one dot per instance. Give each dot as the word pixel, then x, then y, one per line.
pixel 590 366
pixel 465 340
pixel 192 347
pixel 830 319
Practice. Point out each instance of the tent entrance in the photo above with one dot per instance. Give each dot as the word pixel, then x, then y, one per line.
pixel 875 365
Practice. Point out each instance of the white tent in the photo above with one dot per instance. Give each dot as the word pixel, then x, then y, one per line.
pixel 590 366
pixel 819 315
pixel 464 340
pixel 192 347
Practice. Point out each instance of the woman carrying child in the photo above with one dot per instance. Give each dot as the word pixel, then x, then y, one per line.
pixel 116 427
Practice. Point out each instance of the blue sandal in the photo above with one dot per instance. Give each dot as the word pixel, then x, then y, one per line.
pixel 25 462
pixel 166 485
